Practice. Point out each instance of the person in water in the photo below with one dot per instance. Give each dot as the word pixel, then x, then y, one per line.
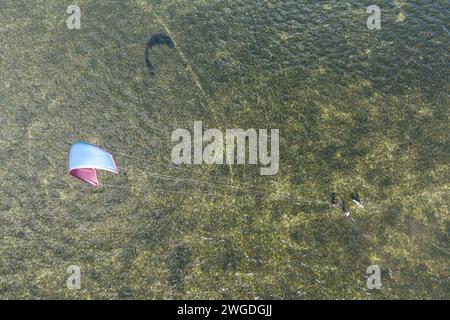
pixel 334 201
pixel 157 39
pixel 357 200
pixel 345 210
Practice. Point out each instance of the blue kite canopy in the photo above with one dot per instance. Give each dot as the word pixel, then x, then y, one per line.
pixel 85 158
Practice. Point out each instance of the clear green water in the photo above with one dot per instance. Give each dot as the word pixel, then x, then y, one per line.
pixel 357 109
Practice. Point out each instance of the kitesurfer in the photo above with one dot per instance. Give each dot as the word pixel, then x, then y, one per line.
pixel 345 210
pixel 334 201
pixel 357 200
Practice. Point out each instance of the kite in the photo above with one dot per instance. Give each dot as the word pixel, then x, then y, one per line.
pixel 85 158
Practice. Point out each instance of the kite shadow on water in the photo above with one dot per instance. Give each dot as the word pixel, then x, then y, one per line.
pixel 157 39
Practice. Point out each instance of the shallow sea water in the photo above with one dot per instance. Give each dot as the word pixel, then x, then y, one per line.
pixel 357 109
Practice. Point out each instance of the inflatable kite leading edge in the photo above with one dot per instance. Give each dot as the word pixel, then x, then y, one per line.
pixel 85 158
